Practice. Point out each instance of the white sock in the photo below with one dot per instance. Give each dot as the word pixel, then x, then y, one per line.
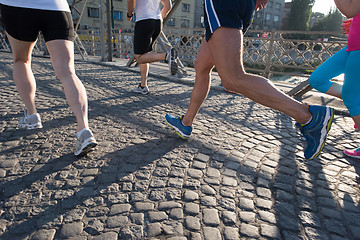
pixel 304 124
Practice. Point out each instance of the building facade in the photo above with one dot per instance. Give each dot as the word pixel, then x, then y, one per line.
pixel 270 17
pixel 187 14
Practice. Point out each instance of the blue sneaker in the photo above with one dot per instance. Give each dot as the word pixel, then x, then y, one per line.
pixel 176 123
pixel 316 131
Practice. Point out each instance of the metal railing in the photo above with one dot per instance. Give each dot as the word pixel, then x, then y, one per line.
pixel 267 53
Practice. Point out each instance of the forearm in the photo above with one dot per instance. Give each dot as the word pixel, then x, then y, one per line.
pixel 166 9
pixel 131 7
pixel 350 8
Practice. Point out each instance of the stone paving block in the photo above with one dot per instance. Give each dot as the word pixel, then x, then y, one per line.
pixel 270 231
pixel 168 205
pixel 176 213
pixel 177 238
pixel 137 218
pixel 141 207
pixel 192 223
pixel 231 233
pixel 44 234
pixel 229 217
pixel 208 190
pixel 94 227
pixel 107 236
pixel 247 216
pixel 202 157
pixel 211 233
pixel 195 236
pixel 132 232
pixel 117 221
pixel 192 208
pixel 246 204
pixel 157 216
pixel 71 229
pixel 211 217
pixel 154 229
pixel 208 201
pixel 249 230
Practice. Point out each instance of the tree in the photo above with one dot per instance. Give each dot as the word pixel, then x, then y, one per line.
pixel 329 23
pixel 300 13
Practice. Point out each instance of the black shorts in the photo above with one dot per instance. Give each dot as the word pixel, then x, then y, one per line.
pixel 146 32
pixel 25 23
pixel 228 13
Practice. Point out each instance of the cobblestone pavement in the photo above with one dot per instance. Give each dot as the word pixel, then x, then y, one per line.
pixel 240 176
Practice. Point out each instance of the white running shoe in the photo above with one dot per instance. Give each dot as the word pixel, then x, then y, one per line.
pixel 171 59
pixel 142 90
pixel 85 142
pixel 30 122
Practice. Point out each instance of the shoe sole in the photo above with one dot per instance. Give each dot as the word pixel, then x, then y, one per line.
pixel 86 147
pixel 357 157
pixel 178 132
pixel 325 130
pixel 31 127
pixel 173 64
pixel 141 92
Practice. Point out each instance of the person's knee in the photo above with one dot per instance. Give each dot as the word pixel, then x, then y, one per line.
pixel 138 58
pixel 202 68
pixel 21 59
pixel 234 82
pixel 313 81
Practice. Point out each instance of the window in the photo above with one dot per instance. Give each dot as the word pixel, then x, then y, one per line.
pixel 185 7
pixel 185 23
pixel 118 15
pixel 171 22
pixel 93 12
pixel 276 18
pixel 268 16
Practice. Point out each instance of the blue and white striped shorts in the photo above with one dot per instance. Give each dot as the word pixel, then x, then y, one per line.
pixel 228 13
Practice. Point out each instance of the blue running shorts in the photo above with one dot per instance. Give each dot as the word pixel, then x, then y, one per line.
pixel 228 13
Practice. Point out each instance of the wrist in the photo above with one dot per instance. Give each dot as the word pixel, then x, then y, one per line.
pixel 129 15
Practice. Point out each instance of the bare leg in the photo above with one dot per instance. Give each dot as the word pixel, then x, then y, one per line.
pixel 22 73
pixel 150 57
pixel 62 57
pixel 144 71
pixel 226 46
pixel 357 121
pixel 335 90
pixel 144 60
pixel 203 66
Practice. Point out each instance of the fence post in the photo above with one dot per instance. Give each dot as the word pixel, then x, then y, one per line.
pixel 93 42
pixel 269 54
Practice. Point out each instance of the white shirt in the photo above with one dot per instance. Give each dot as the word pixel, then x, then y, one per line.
pixel 147 9
pixel 56 5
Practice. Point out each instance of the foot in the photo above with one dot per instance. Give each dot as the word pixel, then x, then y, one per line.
pixel 142 90
pixel 176 123
pixel 32 121
pixel 316 131
pixel 352 153
pixel 85 142
pixel 171 59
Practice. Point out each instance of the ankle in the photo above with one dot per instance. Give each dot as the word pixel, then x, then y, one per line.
pixel 185 123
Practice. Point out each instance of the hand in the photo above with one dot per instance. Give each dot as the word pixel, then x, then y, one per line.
pixel 345 26
pixel 260 4
pixel 129 16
